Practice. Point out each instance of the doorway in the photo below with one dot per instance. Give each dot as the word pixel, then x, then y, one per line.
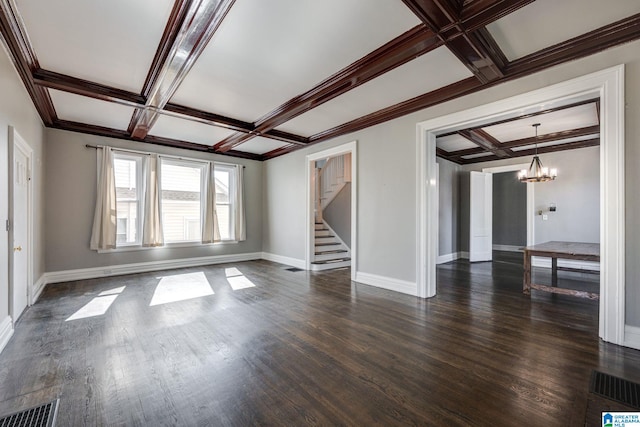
pixel 20 220
pixel 608 85
pixel 350 149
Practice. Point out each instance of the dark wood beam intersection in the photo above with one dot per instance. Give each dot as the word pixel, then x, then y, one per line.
pixel 486 141
pixel 191 26
pixel 476 49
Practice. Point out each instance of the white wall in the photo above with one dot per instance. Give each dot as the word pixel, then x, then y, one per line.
pixel 17 110
pixel 70 202
pixel 387 178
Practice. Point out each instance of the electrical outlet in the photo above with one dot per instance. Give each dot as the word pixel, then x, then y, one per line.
pixel 545 217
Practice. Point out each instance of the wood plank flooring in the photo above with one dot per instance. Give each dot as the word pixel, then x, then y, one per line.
pixel 311 348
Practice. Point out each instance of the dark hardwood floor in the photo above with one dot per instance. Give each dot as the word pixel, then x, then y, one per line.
pixel 302 348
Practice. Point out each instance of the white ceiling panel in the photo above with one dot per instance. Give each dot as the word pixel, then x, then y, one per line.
pixel 454 143
pixel 89 110
pixel 267 52
pixel 260 145
pixel 556 121
pixel 544 23
pixel 431 71
pixel 110 42
pixel 188 130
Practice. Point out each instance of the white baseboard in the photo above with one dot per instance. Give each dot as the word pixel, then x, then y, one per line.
pixel 570 263
pixel 508 248
pixel 449 257
pixel 142 267
pixel 387 283
pixel 294 262
pixel 632 337
pixel 6 331
pixel 37 289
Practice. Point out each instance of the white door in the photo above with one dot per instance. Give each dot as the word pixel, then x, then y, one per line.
pixel 20 270
pixel 480 215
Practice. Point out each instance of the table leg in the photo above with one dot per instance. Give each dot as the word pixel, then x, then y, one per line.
pixel 526 284
pixel 554 272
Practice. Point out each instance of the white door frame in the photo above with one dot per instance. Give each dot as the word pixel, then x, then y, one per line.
pixel 350 147
pixel 530 196
pixel 15 140
pixel 607 84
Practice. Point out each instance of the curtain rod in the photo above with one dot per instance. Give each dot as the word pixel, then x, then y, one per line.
pixel 99 147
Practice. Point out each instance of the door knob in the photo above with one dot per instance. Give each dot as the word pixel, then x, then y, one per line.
pixel 19 248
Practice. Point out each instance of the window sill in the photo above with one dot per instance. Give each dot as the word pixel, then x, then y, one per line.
pixel 165 247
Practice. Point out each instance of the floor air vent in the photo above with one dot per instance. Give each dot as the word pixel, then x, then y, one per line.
pixel 294 269
pixel 615 388
pixel 40 416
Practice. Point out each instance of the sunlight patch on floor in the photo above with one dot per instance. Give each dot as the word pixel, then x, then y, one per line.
pixel 237 280
pixel 97 306
pixel 181 287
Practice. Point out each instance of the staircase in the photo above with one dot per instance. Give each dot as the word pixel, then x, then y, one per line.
pixel 330 250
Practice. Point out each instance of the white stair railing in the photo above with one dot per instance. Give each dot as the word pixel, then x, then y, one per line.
pixel 335 173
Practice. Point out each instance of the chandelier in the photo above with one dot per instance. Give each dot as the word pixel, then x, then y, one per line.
pixel 537 172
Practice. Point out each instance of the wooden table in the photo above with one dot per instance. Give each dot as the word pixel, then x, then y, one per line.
pixel 555 250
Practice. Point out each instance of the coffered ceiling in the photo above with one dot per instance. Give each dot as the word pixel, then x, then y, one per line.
pixel 259 79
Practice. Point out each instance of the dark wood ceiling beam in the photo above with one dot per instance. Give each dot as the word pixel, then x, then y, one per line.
pixel 192 25
pixel 24 60
pixel 207 118
pixel 485 141
pixel 550 137
pixel 446 155
pixel 452 91
pixel 62 82
pixel 472 49
pixel 541 150
pixel 404 48
pixel 587 44
pixel 529 115
pixel 555 136
pixel 280 151
pixel 150 139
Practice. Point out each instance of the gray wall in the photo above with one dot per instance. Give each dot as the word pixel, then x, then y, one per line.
pixel 509 210
pixel 17 110
pixel 448 207
pixel 387 178
pixel 70 201
pixel 338 214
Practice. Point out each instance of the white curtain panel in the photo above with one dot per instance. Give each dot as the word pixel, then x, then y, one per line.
pixel 152 217
pixel 240 223
pixel 210 229
pixel 103 234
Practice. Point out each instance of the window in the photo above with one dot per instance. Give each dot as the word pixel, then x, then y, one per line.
pixel 128 178
pixel 182 191
pixel 225 207
pixel 182 184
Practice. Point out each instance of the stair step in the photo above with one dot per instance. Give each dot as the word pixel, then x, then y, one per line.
pixel 327 244
pixel 334 251
pixel 326 239
pixel 331 261
pixel 323 233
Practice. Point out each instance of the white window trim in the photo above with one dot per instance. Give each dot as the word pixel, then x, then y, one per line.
pixel 131 247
